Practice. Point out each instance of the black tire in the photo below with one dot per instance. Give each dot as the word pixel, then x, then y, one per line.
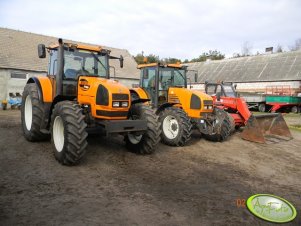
pixel 148 140
pixel 295 109
pixel 183 123
pixel 225 127
pixel 74 132
pixel 32 131
pixel 232 123
pixel 262 107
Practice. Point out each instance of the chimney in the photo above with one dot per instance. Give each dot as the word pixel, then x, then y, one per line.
pixel 269 50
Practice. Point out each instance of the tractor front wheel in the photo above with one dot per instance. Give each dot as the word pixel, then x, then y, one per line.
pixel 145 142
pixel 68 133
pixel 223 126
pixel 176 127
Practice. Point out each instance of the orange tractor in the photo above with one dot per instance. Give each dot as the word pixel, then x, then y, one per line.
pixel 78 95
pixel 263 128
pixel 180 109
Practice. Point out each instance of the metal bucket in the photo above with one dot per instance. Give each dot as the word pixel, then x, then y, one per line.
pixel 266 128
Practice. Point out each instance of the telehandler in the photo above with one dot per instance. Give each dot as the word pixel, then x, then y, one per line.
pixel 78 95
pixel 180 109
pixel 263 128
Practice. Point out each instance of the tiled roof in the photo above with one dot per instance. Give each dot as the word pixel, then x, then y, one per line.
pixel 18 50
pixel 271 67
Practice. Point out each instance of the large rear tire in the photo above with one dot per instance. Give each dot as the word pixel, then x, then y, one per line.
pixel 225 127
pixel 146 142
pixel 176 127
pixel 32 114
pixel 68 133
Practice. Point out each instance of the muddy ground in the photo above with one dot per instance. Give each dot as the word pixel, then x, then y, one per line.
pixel 194 185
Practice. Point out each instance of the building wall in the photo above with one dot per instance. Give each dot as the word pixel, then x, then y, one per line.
pixel 13 85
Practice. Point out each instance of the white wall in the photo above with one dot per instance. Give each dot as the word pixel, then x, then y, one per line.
pixel 13 85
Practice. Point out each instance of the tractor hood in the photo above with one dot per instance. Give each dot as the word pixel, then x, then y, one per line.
pixel 194 102
pixel 110 99
pixel 201 95
pixel 92 83
pixel 187 94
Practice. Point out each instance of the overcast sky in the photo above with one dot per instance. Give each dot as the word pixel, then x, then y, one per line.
pixel 168 28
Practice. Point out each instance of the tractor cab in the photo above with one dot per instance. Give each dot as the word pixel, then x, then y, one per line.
pixel 220 89
pixel 156 79
pixel 67 62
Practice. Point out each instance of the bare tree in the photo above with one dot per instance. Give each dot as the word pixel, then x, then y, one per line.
pixel 279 48
pixel 246 49
pixel 296 46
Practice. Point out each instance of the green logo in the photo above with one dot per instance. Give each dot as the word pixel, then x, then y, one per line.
pixel 271 208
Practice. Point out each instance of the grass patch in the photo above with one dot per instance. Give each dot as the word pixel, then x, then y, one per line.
pixel 289 115
pixel 292 115
pixel 295 127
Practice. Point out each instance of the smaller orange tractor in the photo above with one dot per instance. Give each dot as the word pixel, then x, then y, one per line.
pixel 180 109
pixel 263 128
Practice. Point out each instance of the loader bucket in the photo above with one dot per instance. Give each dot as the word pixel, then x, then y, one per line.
pixel 266 128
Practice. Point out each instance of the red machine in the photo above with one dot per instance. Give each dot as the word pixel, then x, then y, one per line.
pixel 263 128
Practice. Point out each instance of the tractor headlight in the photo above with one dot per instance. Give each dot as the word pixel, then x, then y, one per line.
pixel 208 107
pixel 115 104
pixel 124 104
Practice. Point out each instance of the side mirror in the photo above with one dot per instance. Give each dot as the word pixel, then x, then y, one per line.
pixel 218 96
pixel 41 51
pixel 121 61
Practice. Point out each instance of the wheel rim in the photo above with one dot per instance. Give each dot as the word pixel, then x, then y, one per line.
pixel 134 139
pixel 58 133
pixel 28 112
pixel 170 127
pixel 294 109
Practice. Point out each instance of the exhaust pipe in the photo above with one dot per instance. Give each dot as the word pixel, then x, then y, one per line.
pixel 60 68
pixel 266 128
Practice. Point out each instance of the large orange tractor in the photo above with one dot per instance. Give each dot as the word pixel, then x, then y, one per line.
pixel 180 109
pixel 263 128
pixel 78 95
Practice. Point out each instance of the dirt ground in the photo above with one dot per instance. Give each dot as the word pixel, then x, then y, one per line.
pixel 194 185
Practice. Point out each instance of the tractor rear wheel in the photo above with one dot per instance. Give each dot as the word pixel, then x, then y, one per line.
pixel 68 133
pixel 32 114
pixel 176 126
pixel 224 126
pixel 143 143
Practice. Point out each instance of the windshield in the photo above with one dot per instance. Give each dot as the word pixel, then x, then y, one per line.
pixel 179 78
pixel 82 62
pixel 229 92
pixel 168 77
